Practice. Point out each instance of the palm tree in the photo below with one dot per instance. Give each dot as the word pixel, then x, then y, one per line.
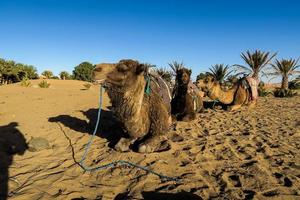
pixel 256 61
pixel 175 66
pixel 64 75
pixel 48 74
pixel 285 68
pixel 232 79
pixel 220 72
pixel 167 75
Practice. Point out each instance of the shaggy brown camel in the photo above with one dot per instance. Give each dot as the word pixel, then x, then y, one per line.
pixel 235 97
pixel 137 104
pixel 186 101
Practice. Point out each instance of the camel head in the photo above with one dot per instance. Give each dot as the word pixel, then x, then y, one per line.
pixel 123 74
pixel 183 76
pixel 207 84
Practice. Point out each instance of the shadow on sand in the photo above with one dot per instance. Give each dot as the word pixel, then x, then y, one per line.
pixel 12 142
pixel 214 105
pixel 161 196
pixel 109 128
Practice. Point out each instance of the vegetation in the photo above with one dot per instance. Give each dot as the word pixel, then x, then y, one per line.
pixel 44 84
pixel 295 84
pixel 175 66
pixel 64 75
pixel 201 76
pixel 232 79
pixel 12 72
pixel 220 72
pixel 279 92
pixel 25 82
pixel 87 86
pixel 167 75
pixel 83 71
pixel 262 92
pixel 285 68
pixel 48 74
pixel 255 61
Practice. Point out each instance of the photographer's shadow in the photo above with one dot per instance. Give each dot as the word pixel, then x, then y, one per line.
pixel 12 142
pixel 109 128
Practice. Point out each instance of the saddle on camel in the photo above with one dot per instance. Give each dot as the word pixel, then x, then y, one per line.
pixel 140 101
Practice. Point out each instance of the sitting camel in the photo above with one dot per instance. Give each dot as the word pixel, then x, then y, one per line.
pixel 240 93
pixel 187 100
pixel 137 103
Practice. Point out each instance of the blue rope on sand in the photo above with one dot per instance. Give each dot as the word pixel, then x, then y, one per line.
pixel 114 163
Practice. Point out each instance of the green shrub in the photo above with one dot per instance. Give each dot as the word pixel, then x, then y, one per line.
pixel 284 93
pixel 25 83
pixel 294 85
pixel 87 86
pixel 44 84
pixel 262 92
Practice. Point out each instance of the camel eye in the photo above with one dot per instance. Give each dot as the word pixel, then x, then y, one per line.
pixel 122 68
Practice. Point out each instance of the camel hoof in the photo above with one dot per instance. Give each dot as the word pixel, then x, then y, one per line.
pixel 148 148
pixel 144 148
pixel 123 145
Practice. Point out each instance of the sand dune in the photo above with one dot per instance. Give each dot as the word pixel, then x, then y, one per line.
pixel 235 155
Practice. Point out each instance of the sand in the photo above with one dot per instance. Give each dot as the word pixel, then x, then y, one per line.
pixel 246 154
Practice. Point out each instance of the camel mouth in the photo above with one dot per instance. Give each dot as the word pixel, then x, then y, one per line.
pixel 98 82
pixel 114 82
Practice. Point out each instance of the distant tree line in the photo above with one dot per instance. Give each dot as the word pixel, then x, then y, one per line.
pixel 13 72
pixel 256 63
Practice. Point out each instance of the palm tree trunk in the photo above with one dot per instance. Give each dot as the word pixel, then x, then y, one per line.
pixel 285 82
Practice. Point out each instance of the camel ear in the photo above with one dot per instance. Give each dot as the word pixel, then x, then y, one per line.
pixel 190 72
pixel 140 68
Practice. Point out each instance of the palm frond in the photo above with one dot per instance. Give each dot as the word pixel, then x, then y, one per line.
pixel 175 66
pixel 255 61
pixel 220 72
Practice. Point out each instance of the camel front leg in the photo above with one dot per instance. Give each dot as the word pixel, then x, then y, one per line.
pixel 124 144
pixel 234 107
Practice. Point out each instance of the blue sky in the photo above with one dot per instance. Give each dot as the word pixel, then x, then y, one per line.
pixel 59 34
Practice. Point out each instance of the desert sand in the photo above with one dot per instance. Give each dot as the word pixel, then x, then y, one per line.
pixel 246 154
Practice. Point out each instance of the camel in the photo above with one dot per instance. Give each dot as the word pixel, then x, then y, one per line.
pixel 186 101
pixel 136 103
pixel 239 94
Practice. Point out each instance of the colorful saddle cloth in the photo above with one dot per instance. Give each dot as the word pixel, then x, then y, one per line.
pixel 164 89
pixel 194 91
pixel 251 84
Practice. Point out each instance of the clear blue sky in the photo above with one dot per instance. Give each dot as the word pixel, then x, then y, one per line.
pixel 59 34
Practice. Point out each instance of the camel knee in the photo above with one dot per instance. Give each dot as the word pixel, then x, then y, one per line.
pixel 124 144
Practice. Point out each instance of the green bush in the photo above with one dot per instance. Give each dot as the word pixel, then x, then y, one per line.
pixel 25 83
pixel 262 92
pixel 294 85
pixel 44 84
pixel 87 86
pixel 83 71
pixel 284 93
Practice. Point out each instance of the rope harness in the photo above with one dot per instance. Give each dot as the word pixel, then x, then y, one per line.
pixel 118 162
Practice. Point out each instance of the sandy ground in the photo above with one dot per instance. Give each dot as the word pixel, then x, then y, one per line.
pixel 222 155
